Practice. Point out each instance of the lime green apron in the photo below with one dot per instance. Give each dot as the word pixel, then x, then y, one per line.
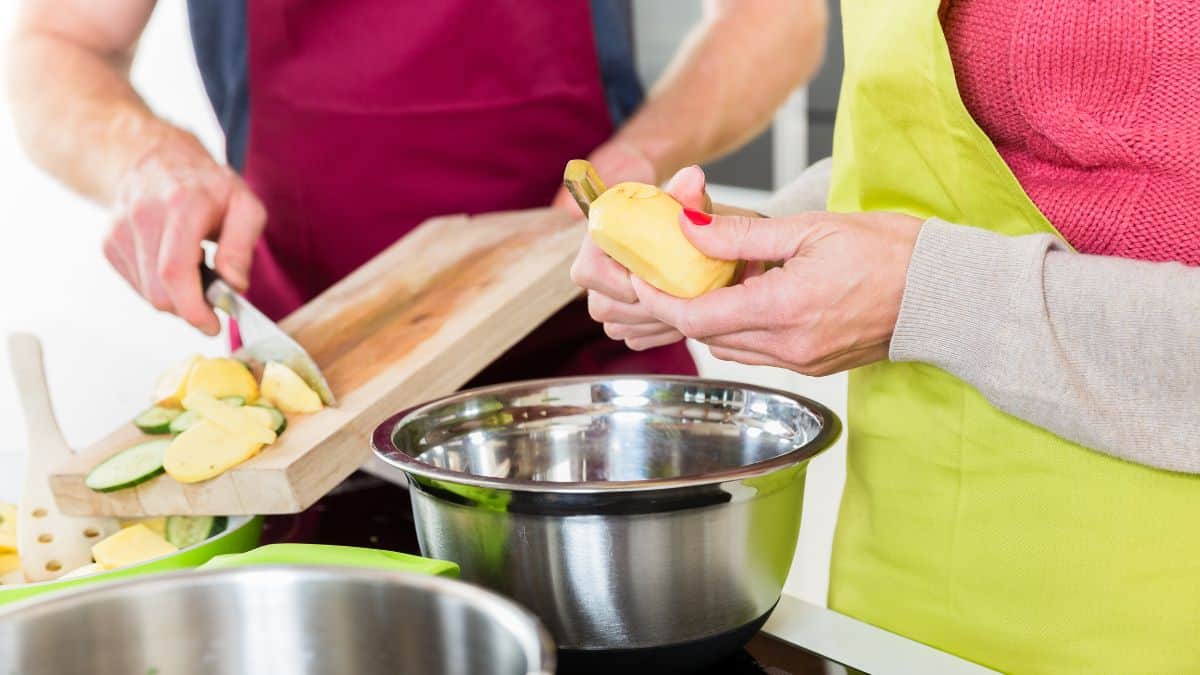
pixel 963 527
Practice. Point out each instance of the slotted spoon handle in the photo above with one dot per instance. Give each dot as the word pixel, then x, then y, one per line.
pixel 46 443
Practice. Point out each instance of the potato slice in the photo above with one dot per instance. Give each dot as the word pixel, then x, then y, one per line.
pixel 237 421
pixel 157 524
pixel 85 571
pixel 222 377
pixel 8 528
pixel 288 391
pixel 171 386
pixel 207 450
pixel 262 416
pixel 130 546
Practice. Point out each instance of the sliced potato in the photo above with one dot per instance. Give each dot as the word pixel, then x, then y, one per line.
pixel 238 421
pixel 130 546
pixel 85 571
pixel 8 528
pixel 157 524
pixel 220 378
pixel 261 415
pixel 206 450
pixel 291 394
pixel 171 386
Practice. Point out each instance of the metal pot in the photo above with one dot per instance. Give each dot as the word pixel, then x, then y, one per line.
pixel 642 518
pixel 294 620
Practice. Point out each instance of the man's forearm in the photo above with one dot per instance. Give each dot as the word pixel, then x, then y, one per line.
pixel 75 111
pixel 733 71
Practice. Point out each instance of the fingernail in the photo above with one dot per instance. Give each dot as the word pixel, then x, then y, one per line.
pixel 697 217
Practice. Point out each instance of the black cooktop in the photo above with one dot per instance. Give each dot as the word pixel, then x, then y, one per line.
pixel 367 511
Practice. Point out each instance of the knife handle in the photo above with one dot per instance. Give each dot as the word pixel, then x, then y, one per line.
pixel 208 276
pixel 216 291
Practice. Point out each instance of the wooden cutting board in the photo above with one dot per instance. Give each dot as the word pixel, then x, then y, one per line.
pixel 416 322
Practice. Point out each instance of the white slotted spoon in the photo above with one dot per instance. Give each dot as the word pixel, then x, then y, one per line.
pixel 50 544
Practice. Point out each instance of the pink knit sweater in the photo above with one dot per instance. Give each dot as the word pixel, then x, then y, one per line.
pixel 1095 106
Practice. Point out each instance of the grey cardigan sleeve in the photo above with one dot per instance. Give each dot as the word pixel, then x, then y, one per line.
pixel 1101 351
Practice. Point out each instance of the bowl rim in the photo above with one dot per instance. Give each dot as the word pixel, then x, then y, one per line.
pixel 386 450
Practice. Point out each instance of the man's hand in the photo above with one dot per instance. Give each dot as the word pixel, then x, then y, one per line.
pixel 831 306
pixel 167 205
pixel 611 298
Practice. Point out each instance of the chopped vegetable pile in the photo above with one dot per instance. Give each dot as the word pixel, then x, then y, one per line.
pixel 218 415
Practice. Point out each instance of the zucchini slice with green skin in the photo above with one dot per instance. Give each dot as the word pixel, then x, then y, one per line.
pixel 235 401
pixel 184 422
pixel 129 467
pixel 185 531
pixel 278 421
pixel 156 419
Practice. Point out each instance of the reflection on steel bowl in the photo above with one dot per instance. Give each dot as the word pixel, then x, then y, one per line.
pixel 295 620
pixel 632 514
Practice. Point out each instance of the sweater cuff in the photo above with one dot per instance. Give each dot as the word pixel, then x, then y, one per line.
pixel 957 294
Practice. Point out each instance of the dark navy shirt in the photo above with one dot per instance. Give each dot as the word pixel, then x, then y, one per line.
pixel 219 37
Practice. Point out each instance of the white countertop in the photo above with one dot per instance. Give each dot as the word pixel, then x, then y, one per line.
pixel 857 645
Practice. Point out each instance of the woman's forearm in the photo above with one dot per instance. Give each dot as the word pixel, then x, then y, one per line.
pixel 733 71
pixel 75 111
pixel 1102 351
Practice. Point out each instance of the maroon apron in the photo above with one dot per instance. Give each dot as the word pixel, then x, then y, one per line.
pixel 370 116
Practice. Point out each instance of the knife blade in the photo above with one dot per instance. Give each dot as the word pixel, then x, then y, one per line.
pixel 262 338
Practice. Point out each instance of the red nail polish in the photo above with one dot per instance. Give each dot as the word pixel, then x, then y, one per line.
pixel 697 217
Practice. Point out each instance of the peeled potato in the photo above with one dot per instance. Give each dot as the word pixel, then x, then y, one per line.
pixel 206 450
pixel 638 226
pixel 287 391
pixel 171 386
pixel 222 377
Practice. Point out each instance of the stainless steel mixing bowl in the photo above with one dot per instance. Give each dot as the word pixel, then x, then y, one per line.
pixel 274 620
pixel 629 513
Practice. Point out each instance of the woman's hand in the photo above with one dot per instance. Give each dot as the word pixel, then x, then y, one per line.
pixel 832 305
pixel 611 298
pixel 167 205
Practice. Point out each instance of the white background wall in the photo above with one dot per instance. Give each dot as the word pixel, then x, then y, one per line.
pixel 104 347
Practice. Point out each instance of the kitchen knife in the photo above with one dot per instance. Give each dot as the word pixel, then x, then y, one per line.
pixel 262 338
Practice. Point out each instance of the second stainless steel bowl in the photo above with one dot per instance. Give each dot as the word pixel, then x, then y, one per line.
pixel 629 513
pixel 275 620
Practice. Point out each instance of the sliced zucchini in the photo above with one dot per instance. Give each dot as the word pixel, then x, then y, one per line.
pixel 156 419
pixel 184 531
pixel 235 401
pixel 129 467
pixel 184 422
pixel 278 421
